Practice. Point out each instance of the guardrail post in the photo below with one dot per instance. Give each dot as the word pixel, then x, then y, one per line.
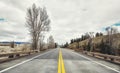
pixel 28 53
pixel 105 57
pixel 112 59
pixel 36 51
pixel 93 55
pixel 17 55
pixel 11 56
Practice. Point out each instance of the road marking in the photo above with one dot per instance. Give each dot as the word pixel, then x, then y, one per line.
pixel 62 62
pixel 61 67
pixel 6 69
pixel 97 62
pixel 59 64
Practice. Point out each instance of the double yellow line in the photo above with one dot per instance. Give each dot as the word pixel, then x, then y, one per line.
pixel 61 67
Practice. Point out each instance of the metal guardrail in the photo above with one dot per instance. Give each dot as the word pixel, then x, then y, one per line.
pixel 104 56
pixel 17 54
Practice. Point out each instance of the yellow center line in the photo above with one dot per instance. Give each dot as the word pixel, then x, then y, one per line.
pixel 61 67
pixel 59 64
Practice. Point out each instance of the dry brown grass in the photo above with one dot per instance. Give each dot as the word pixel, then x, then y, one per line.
pixel 97 40
pixel 8 49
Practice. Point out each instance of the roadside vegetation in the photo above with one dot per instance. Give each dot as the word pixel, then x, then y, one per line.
pixel 101 43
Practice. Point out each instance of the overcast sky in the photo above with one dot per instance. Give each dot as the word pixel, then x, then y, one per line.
pixel 69 18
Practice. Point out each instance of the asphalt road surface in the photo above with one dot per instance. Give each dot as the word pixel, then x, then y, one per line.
pixel 74 63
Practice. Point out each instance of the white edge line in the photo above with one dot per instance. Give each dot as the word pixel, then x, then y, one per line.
pixel 98 63
pixel 6 69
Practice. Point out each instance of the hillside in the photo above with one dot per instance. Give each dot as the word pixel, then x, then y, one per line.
pixel 96 41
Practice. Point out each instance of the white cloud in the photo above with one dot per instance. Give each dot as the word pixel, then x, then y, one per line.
pixel 70 18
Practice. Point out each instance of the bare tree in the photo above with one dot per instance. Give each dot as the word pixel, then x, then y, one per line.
pixel 37 22
pixel 110 38
pixel 110 32
pixel 41 42
pixel 90 44
pixel 51 43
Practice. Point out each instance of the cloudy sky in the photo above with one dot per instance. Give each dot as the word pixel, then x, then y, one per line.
pixel 69 18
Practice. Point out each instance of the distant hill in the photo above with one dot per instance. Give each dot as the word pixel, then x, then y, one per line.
pixel 7 42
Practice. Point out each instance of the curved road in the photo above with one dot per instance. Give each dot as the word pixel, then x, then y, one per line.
pixel 74 63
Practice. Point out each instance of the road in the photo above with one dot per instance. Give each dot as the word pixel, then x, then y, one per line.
pixel 73 62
